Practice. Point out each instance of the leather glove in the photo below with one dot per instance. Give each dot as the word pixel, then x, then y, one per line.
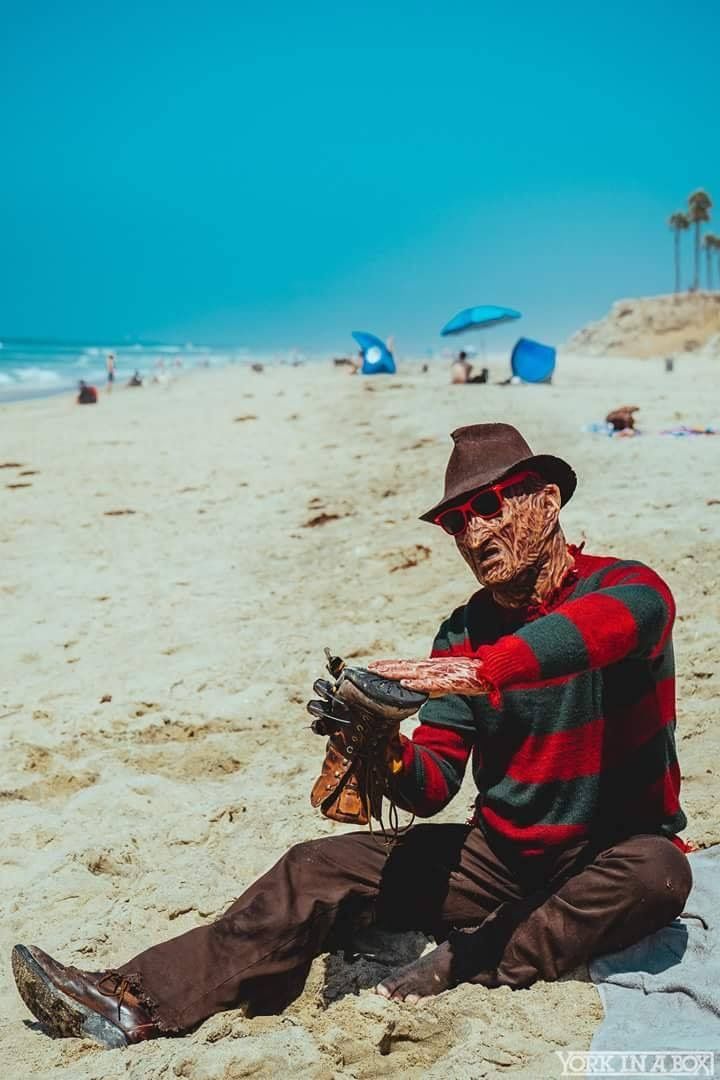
pixel 361 712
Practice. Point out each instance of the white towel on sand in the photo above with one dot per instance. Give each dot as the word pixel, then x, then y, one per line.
pixel 664 993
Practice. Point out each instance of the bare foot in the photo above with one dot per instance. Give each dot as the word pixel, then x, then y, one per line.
pixel 423 978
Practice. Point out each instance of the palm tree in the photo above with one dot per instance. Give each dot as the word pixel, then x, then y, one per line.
pixel 711 243
pixel 699 204
pixel 678 222
pixel 716 248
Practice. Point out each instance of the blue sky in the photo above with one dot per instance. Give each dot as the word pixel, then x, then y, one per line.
pixel 278 174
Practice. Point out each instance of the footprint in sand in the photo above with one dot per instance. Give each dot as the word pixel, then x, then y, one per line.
pixel 56 785
pixel 183 730
pixel 408 557
pixel 428 441
pixel 145 707
pixel 321 519
pixel 188 763
pixel 113 864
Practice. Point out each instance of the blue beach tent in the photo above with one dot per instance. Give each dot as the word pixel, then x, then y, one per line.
pixel 532 361
pixel 377 358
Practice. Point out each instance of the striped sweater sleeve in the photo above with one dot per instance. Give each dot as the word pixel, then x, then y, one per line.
pixel 627 615
pixel 435 758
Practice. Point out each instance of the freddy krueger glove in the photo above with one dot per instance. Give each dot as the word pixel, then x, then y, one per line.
pixel 361 713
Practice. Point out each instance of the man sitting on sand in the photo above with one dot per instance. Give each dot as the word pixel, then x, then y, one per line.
pixel 461 371
pixel 557 679
pixel 87 395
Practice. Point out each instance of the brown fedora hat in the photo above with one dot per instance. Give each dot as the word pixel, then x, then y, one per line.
pixel 486 453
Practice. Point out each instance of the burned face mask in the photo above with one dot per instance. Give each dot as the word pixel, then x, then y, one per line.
pixel 509 550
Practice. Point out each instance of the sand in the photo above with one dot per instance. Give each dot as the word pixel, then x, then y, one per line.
pixel 186 553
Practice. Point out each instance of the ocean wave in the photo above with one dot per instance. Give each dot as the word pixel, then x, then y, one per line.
pixel 38 376
pixel 30 369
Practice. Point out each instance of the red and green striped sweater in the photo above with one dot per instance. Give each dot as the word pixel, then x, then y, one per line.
pixel 580 738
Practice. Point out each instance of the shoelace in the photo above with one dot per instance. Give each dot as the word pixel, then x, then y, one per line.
pixel 119 987
pixel 376 788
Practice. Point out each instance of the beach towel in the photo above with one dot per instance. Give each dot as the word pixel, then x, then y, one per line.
pixel 683 430
pixel 663 994
pixel 602 427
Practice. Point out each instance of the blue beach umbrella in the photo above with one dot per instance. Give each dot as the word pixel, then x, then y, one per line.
pixel 477 318
pixel 377 358
pixel 532 361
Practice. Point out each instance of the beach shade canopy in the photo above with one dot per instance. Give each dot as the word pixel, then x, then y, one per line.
pixel 532 361
pixel 477 318
pixel 377 358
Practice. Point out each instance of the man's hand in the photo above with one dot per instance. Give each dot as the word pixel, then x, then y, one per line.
pixel 454 675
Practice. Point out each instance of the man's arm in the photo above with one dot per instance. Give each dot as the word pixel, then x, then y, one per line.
pixel 628 616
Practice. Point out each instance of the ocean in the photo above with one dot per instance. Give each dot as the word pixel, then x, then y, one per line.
pixel 38 369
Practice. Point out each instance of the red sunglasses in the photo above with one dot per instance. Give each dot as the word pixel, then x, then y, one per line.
pixel 485 504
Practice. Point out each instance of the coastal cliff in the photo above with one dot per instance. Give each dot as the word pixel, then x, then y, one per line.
pixel 652 326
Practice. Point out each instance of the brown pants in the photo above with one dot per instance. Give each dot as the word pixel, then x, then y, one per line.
pixel 536 919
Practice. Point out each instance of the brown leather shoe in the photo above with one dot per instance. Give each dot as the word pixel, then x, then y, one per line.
pixel 81 1004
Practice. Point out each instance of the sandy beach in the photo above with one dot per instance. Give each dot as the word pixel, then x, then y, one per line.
pixel 187 552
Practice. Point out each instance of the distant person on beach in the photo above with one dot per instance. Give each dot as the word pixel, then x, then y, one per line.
pixel 136 379
pixel 555 681
pixel 87 395
pixel 110 366
pixel 351 364
pixel 346 362
pixel 461 371
pixel 622 418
